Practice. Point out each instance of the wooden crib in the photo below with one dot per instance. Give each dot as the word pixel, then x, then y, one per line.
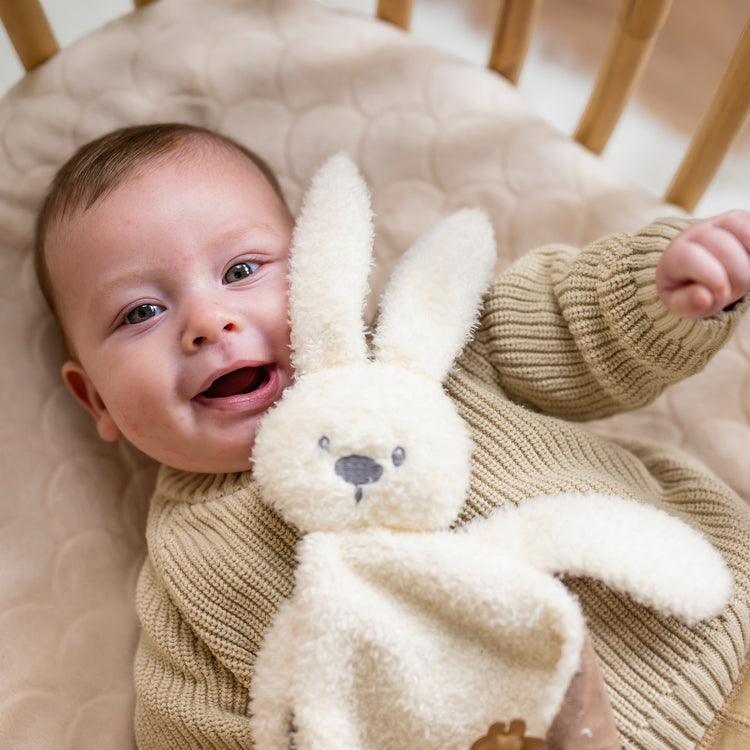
pixel 632 39
pixel 295 81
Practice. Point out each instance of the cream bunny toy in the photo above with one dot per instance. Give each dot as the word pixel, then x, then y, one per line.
pixel 400 632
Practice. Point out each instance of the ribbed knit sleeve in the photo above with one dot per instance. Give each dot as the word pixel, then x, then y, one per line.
pixel 582 334
pixel 220 562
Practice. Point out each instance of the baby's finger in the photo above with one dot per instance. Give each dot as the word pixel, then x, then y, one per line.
pixel 738 223
pixel 691 301
pixel 692 282
pixel 729 249
pixel 695 264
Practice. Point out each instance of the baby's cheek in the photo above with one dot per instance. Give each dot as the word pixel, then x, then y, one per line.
pixel 135 413
pixel 131 426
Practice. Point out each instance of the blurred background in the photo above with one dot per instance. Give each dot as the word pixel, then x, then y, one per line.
pixel 690 55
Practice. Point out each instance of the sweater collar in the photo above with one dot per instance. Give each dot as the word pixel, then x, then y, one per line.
pixel 192 487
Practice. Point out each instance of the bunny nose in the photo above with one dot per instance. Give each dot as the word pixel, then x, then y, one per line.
pixel 358 470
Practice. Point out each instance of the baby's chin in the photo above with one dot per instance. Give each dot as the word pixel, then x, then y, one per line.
pixel 218 461
pixel 216 466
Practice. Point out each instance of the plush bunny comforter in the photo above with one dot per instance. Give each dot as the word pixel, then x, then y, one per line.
pixel 221 561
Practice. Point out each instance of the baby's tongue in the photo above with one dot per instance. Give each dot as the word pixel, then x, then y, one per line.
pixel 243 380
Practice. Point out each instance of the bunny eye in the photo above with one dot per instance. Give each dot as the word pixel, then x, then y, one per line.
pixel 398 456
pixel 324 443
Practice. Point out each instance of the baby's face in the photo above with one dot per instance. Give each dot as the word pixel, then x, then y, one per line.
pixel 173 292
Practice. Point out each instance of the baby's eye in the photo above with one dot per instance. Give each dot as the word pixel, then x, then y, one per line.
pixel 142 313
pixel 240 271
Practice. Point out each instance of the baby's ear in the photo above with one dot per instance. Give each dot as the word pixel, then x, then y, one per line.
pixel 80 385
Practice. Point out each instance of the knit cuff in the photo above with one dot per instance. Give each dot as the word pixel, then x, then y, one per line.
pixel 631 304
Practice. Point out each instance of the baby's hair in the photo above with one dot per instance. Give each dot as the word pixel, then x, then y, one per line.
pixel 101 165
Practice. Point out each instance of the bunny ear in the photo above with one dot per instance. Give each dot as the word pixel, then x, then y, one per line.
pixel 431 302
pixel 330 261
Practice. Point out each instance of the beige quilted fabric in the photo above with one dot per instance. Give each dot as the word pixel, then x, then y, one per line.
pixel 296 82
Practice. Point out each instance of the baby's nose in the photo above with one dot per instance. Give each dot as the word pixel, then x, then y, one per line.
pixel 198 340
pixel 207 326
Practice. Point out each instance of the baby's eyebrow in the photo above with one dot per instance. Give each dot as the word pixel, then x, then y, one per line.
pixel 119 283
pixel 243 233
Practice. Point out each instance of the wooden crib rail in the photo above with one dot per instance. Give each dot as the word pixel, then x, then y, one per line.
pixel 630 44
pixel 397 12
pixel 635 31
pixel 512 37
pixel 29 31
pixel 725 116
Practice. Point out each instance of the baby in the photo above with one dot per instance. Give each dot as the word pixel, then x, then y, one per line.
pixel 163 253
pixel 163 249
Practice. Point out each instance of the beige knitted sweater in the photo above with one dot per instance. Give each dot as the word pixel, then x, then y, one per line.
pixel 565 336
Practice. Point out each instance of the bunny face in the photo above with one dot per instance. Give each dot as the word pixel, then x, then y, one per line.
pixel 369 444
pixel 369 437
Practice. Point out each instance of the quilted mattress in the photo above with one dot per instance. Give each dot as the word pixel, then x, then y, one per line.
pixel 295 81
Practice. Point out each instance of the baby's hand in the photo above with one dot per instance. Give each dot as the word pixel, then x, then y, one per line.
pixel 706 267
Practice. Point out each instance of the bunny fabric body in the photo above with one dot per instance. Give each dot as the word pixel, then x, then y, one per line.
pixel 400 632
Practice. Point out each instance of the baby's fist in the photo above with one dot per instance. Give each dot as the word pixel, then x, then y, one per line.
pixel 706 267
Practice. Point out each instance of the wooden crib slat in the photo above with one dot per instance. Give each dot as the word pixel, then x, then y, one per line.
pixel 397 12
pixel 638 23
pixel 513 31
pixel 726 114
pixel 139 3
pixel 29 31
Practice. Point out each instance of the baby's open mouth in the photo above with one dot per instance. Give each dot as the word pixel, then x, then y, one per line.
pixel 237 382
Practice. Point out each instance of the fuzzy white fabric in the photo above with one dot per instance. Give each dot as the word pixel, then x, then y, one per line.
pixel 406 639
pixel 336 226
pixel 401 633
pixel 637 549
pixel 430 306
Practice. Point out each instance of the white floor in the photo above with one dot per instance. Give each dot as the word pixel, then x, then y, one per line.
pixel 643 147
